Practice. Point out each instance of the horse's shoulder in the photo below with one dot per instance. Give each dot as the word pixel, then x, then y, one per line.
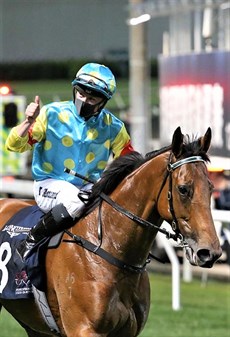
pixel 9 207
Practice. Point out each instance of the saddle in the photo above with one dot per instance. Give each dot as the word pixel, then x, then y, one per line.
pixel 19 276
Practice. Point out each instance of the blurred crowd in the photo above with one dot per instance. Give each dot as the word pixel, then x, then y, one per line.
pixel 221 194
pixel 221 201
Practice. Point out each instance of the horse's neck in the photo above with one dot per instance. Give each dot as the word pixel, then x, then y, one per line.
pixel 140 190
pixel 138 194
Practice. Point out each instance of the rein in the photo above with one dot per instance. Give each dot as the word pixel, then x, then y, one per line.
pixel 96 249
pixel 104 255
pixel 170 168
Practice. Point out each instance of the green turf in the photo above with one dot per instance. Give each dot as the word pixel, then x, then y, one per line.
pixel 51 90
pixel 9 326
pixel 205 311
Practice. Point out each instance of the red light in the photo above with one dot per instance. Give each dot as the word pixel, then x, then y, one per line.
pixel 5 90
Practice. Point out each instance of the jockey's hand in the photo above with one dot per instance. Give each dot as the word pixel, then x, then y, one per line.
pixel 33 110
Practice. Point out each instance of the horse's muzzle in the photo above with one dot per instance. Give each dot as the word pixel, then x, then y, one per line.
pixel 203 257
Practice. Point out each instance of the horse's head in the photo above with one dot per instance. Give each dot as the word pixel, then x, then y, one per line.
pixel 171 184
pixel 189 199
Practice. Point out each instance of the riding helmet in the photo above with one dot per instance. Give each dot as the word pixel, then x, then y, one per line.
pixel 96 78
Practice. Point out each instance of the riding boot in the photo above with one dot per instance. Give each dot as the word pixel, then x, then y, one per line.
pixel 51 224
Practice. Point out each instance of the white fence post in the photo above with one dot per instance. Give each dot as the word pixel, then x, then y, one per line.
pixel 175 270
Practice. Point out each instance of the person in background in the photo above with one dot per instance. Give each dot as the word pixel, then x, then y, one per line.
pixel 80 135
pixel 221 193
pixel 221 201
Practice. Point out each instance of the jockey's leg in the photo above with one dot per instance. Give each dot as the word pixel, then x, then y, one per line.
pixel 52 223
pixel 61 216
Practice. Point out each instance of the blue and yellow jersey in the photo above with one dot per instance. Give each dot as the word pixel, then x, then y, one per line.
pixel 61 138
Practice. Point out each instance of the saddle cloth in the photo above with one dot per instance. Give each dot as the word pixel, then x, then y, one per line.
pixel 17 276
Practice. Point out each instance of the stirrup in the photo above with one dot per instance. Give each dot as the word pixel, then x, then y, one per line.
pixel 24 248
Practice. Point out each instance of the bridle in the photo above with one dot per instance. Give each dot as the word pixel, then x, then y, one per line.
pixel 177 236
pixel 170 168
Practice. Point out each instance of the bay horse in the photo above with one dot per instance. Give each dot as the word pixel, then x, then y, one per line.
pixel 97 282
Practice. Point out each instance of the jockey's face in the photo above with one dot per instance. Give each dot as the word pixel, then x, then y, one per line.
pixel 88 98
pixel 87 104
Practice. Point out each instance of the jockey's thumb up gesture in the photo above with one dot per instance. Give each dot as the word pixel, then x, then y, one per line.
pixel 31 113
pixel 32 110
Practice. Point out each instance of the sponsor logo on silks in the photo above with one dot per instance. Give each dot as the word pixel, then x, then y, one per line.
pixel 13 230
pixel 23 285
pixel 49 194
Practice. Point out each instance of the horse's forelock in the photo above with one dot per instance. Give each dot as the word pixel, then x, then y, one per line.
pixel 192 147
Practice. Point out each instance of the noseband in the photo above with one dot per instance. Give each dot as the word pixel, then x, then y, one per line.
pixel 177 236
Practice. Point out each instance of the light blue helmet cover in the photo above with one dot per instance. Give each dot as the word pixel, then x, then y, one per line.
pixel 96 77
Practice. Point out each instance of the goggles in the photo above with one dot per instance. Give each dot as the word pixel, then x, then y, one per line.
pixel 93 82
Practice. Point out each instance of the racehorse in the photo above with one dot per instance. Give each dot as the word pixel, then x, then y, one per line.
pixel 97 282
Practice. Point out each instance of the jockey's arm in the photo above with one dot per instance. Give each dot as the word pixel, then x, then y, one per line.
pixel 122 143
pixel 23 136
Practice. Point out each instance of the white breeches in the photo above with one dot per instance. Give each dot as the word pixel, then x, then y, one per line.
pixel 51 192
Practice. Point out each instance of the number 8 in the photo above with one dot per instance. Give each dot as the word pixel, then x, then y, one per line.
pixel 5 247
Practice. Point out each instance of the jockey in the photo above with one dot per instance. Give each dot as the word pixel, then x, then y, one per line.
pixel 80 135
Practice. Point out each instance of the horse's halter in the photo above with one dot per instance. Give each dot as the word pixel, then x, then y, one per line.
pixel 175 236
pixel 170 168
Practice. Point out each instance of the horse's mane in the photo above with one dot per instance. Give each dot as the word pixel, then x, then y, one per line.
pixel 121 167
pixel 116 171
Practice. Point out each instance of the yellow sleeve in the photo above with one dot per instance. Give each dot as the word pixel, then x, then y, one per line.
pixel 16 143
pixel 120 142
pixel 35 134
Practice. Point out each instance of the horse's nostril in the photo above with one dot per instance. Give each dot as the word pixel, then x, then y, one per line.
pixel 204 255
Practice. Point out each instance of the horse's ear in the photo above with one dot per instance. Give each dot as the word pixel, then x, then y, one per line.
pixel 177 142
pixel 205 141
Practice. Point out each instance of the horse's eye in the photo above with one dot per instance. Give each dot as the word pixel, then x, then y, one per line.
pixel 184 190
